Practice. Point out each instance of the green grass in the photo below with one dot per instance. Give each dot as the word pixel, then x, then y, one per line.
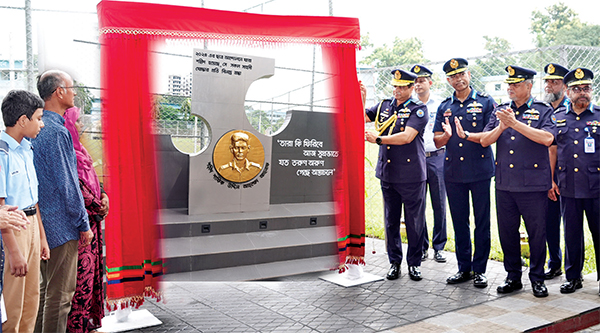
pixel 374 216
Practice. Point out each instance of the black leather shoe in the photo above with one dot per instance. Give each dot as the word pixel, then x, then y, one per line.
pixel 479 280
pixel 439 257
pixel 415 273
pixel 570 286
pixel 508 286
pixel 539 289
pixel 425 255
pixel 459 277
pixel 394 271
pixel 552 273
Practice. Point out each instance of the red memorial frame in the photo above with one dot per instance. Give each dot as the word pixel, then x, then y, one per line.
pixel 127 30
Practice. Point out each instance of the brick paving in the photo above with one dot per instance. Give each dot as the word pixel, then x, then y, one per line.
pixel 305 303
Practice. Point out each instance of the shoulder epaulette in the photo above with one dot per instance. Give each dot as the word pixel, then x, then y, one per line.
pixel 417 101
pixel 482 93
pixel 447 99
pixel 4 146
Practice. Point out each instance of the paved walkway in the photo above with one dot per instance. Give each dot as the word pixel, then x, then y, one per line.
pixel 306 303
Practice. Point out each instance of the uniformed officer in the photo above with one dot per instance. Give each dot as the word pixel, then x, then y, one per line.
pixel 399 125
pixel 578 141
pixel 554 89
pixel 435 168
pixel 523 130
pixel 468 168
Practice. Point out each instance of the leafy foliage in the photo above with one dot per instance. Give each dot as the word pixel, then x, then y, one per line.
pixel 403 51
pixel 560 25
pixel 170 107
pixel 84 98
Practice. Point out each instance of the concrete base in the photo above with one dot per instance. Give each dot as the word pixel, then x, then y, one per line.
pixel 342 279
pixel 136 320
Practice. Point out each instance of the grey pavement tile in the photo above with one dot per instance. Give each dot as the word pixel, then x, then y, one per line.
pixel 573 304
pixel 519 321
pixel 453 320
pixel 305 303
pixel 511 303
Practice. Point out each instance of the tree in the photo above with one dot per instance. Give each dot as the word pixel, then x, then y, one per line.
pixel 170 107
pixel 558 19
pixel 403 51
pixel 496 45
pixel 83 98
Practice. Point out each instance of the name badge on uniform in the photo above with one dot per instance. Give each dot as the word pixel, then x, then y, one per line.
pixel 589 144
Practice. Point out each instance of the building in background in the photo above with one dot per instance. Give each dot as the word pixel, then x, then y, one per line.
pixel 180 85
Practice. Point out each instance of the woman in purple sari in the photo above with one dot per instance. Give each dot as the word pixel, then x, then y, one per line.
pixel 87 307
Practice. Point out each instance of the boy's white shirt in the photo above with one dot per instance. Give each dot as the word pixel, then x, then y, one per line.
pixel 3 309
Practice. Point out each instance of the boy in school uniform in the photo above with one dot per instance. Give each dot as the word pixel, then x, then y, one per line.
pixel 22 115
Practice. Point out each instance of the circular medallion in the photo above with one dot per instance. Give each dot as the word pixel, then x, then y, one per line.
pixel 453 63
pixel 579 74
pixel 238 156
pixel 511 71
pixel 551 69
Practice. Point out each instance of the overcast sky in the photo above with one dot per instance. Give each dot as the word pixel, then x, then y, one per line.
pixel 447 28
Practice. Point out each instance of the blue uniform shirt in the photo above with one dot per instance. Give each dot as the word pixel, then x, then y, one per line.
pixel 521 164
pixel 18 180
pixel 401 163
pixel 466 161
pixel 578 172
pixel 61 203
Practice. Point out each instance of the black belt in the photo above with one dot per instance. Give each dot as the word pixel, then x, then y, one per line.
pixel 30 211
pixel 435 152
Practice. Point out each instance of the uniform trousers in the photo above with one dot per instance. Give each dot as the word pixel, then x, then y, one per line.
pixel 57 286
pixel 22 294
pixel 532 206
pixel 458 201
pixel 437 193
pixel 573 210
pixel 411 197
pixel 553 234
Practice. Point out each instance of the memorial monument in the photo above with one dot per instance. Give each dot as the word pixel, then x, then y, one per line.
pixel 248 206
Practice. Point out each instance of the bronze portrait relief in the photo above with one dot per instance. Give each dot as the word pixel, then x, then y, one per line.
pixel 238 156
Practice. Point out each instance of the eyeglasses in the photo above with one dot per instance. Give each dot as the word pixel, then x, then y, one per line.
pixel 578 90
pixel 65 88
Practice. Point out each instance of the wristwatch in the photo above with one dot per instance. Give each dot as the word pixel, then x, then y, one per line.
pixel 467 134
pixel 378 140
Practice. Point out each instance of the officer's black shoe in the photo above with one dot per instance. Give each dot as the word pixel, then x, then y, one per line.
pixel 479 280
pixel 539 289
pixel 508 286
pixel 415 273
pixel 459 277
pixel 570 286
pixel 425 255
pixel 394 271
pixel 439 257
pixel 552 273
